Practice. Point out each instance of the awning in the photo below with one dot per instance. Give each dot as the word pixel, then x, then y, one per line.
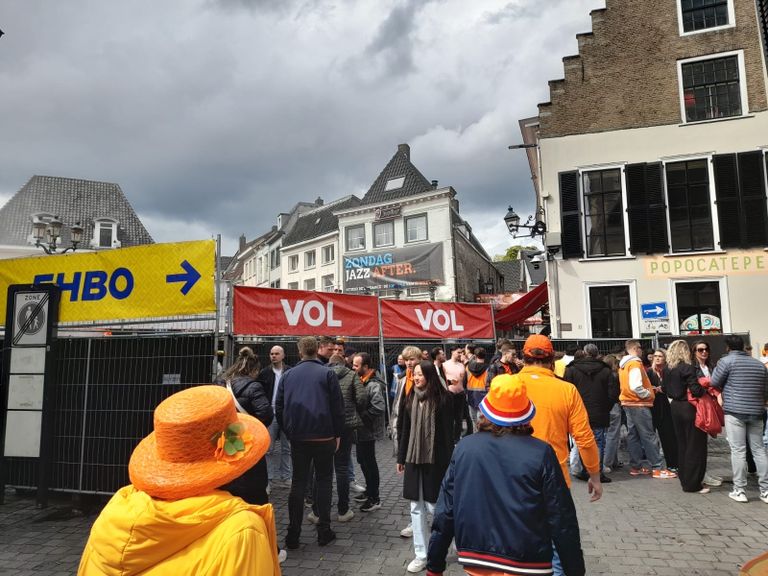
pixel 514 314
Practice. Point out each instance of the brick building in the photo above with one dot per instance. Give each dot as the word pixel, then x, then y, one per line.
pixel 651 171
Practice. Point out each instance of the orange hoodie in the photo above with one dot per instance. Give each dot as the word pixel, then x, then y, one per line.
pixel 559 412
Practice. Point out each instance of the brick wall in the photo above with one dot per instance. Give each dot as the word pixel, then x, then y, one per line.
pixel 468 263
pixel 625 75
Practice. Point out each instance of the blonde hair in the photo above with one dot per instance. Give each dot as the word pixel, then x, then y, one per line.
pixel 678 353
pixel 411 352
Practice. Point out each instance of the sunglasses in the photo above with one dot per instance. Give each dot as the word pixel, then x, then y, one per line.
pixel 702 349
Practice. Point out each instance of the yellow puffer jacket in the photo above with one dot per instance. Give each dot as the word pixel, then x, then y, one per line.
pixel 215 534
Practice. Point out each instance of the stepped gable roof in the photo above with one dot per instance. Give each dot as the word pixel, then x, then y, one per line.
pixel 319 221
pixel 399 166
pixel 72 200
pixel 512 272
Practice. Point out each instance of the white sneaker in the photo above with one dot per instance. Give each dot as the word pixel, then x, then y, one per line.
pixel 711 480
pixel 738 494
pixel 312 518
pixel 281 556
pixel 356 488
pixel 764 496
pixel 607 470
pixel 407 532
pixel 417 565
pixel 346 517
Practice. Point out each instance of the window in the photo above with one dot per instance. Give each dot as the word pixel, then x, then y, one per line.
pixel 416 228
pixel 699 15
pixel 328 254
pixel 309 259
pixel 611 311
pixel 293 263
pixel 105 234
pixel 327 283
pixel 418 291
pixel 275 284
pixel 712 88
pixel 690 209
pixel 274 258
pixel 293 285
pixel 355 237
pixel 698 307
pixel 394 183
pixel 309 284
pixel 604 213
pixel 383 234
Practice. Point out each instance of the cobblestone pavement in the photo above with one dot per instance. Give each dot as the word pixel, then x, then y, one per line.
pixel 641 526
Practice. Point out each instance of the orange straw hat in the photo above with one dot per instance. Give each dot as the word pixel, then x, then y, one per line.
pixel 200 442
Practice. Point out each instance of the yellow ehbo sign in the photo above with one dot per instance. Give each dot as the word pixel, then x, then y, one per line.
pixel 148 281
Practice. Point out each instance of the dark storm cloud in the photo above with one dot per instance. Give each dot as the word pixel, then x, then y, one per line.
pixel 213 116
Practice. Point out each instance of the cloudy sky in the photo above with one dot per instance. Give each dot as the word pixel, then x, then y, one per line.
pixel 214 115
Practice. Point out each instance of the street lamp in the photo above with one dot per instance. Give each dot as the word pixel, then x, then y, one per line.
pixel 46 230
pixel 536 227
pixel 432 289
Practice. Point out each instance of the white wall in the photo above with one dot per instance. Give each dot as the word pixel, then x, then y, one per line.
pixel 302 273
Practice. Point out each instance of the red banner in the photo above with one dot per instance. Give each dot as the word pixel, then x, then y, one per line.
pixel 273 312
pixel 408 319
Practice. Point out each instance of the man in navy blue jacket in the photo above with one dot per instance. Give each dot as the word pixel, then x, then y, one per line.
pixel 310 409
pixel 504 498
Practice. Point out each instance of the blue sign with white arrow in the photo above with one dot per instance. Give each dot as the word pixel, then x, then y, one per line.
pixel 654 310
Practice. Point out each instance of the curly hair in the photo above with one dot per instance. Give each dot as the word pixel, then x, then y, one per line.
pixel 485 425
pixel 678 353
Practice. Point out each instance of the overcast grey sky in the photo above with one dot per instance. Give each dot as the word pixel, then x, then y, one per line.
pixel 214 115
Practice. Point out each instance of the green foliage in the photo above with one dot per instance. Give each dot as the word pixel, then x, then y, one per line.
pixel 512 253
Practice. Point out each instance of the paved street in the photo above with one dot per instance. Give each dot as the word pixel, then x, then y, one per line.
pixel 641 526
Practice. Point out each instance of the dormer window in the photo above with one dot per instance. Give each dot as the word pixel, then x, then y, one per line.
pixel 105 233
pixel 394 183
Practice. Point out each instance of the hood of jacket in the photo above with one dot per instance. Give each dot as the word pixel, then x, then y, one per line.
pixel 341 371
pixel 588 366
pixel 628 358
pixel 135 532
pixel 477 368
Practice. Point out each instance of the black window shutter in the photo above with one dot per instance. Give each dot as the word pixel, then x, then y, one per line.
pixel 753 199
pixel 646 208
pixel 728 204
pixel 570 215
pixel 741 199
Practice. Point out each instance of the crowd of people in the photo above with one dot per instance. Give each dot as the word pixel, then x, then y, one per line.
pixel 486 446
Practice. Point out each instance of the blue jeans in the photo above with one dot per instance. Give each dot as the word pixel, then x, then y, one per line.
pixel 641 437
pixel 613 437
pixel 278 458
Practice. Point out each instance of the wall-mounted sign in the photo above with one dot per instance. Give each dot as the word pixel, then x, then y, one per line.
pixel 387 212
pixel 734 262
pixel 396 268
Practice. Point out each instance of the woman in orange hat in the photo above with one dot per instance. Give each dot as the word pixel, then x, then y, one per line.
pixel 172 518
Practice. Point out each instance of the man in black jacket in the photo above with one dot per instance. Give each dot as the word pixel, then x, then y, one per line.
pixel 278 458
pixel 599 391
pixel 310 409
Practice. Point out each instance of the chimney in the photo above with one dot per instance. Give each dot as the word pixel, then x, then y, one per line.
pixel 434 184
pixel 319 201
pixel 405 150
pixel 242 243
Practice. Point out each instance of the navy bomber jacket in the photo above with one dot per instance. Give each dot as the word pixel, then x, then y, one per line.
pixel 309 405
pixel 505 501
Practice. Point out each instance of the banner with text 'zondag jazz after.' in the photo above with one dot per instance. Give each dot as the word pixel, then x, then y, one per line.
pixel 411 319
pixel 276 312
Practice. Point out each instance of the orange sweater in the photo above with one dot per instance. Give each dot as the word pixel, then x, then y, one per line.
pixel 559 412
pixel 636 388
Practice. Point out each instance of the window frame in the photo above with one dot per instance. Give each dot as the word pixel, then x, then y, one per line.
pixel 681 28
pixel 307 254
pixel 106 223
pixel 347 230
pixel 633 307
pixel 328 287
pixel 712 204
pixel 583 207
pixel 333 254
pixel 293 267
pixel 742 85
pixel 293 285
pixel 426 228
pixel 725 320
pixel 314 284
pixel 385 223
pixel 418 291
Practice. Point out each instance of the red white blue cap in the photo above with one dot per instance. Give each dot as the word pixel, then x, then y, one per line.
pixel 507 402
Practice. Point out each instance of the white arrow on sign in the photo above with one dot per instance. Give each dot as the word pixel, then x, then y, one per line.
pixel 658 310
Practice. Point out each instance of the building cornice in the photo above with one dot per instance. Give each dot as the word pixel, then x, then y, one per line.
pixel 445 192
